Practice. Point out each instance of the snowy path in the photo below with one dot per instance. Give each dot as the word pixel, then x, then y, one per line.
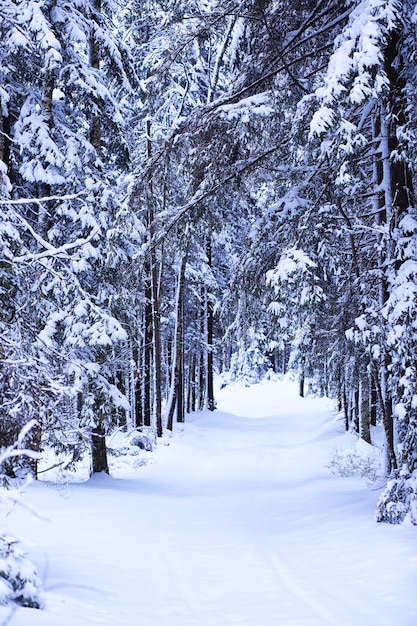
pixel 236 522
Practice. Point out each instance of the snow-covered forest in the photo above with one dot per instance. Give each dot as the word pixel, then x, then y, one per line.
pixel 199 191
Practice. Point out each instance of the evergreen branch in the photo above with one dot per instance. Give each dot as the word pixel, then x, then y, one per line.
pixel 20 201
pixel 200 196
pixel 282 67
pixel 50 250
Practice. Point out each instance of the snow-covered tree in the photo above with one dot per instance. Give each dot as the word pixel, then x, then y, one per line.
pixel 364 125
pixel 64 76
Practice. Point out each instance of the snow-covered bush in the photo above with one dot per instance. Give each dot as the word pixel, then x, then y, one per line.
pixel 19 582
pixel 130 449
pixel 351 463
pixel 249 364
pixel 399 501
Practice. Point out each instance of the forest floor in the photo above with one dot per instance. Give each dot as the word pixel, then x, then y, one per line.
pixel 236 519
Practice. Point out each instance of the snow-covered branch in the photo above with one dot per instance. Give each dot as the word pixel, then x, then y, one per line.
pixel 19 201
pixel 51 250
pixel 199 196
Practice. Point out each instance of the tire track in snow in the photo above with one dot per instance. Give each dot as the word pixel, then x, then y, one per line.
pixel 173 584
pixel 318 595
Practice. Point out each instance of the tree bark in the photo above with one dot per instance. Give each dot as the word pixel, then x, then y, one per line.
pixel 99 450
pixel 386 410
pixel 301 381
pixel 176 400
pixel 374 401
pixel 180 343
pixel 95 123
pixel 201 365
pixel 157 349
pixel 365 424
pixel 191 397
pixel 155 304
pixel 5 129
pixel 211 405
pixel 346 407
pixel 147 352
pixel 356 416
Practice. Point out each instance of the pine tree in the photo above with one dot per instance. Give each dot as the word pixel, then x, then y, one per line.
pixel 62 69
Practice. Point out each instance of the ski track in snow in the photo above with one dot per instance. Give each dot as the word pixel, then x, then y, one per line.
pixel 236 522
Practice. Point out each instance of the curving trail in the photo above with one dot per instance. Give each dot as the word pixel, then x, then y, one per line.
pixel 236 522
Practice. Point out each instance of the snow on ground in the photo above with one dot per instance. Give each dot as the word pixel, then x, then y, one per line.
pixel 237 521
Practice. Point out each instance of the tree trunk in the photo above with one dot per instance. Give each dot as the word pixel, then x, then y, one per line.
pixel 374 401
pixel 356 418
pixel 211 405
pixel 365 425
pixel 34 444
pixel 95 123
pixel 386 411
pixel 180 343
pixel 191 397
pixel 301 384
pixel 155 295
pixel 138 380
pixel 5 130
pixel 351 406
pixel 99 450
pixel 157 349
pixel 346 407
pixel 176 399
pixel 147 352
pixel 201 365
pixel 138 402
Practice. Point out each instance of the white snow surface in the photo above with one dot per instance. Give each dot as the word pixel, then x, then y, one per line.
pixel 235 520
